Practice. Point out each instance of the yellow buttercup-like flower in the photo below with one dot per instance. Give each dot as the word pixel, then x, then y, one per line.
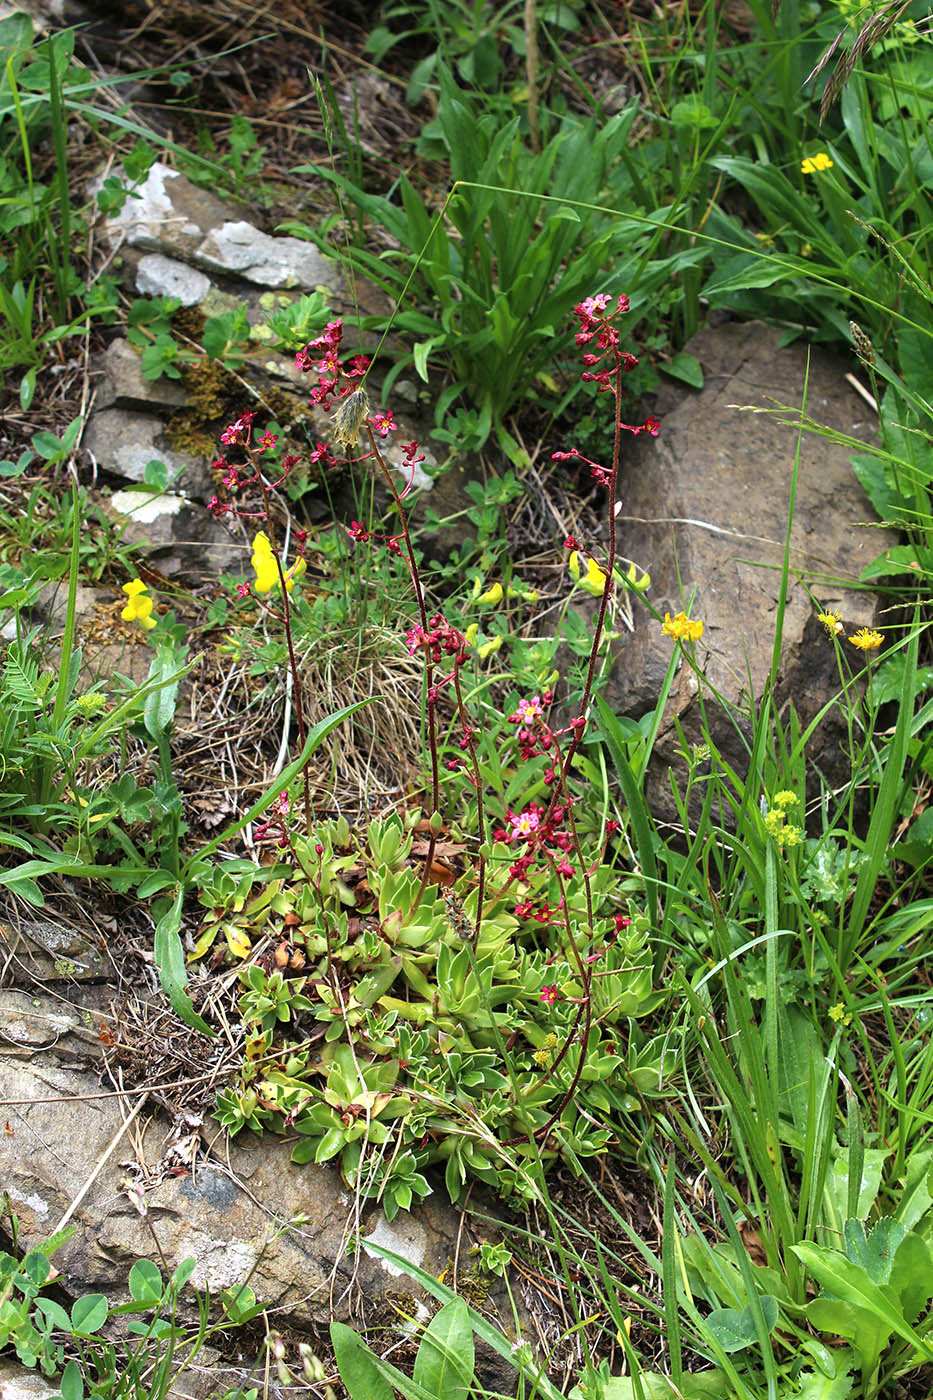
pixel 832 621
pixel 867 639
pixel 139 605
pixel 682 628
pixel 812 164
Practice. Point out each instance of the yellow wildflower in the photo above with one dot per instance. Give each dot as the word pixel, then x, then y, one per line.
pixel 867 639
pixel 832 621
pixel 139 605
pixel 266 569
pixel 785 799
pixel 594 580
pixel 812 164
pixel 640 585
pixel 682 628
pixel 488 647
pixel 493 594
pixel 789 835
pixel 469 635
pixel 839 1014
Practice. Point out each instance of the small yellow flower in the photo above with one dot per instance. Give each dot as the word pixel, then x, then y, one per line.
pixel 92 702
pixel 839 1014
pixel 832 621
pixel 789 836
pixel 774 823
pixel 470 634
pixel 493 594
pixel 139 605
pixel 785 799
pixel 488 648
pixel 266 569
pixel 867 639
pixel 594 580
pixel 640 585
pixel 682 628
pixel 812 164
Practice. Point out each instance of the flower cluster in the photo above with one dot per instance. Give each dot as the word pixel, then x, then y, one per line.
pixel 240 477
pixel 783 832
pixel 865 639
pixel 323 357
pixel 275 828
pixel 439 641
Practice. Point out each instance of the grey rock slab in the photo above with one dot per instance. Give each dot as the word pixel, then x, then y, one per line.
pixel 121 383
pixel 17 1383
pixel 159 276
pixel 239 247
pixel 45 951
pixel 29 1023
pixel 704 511
pixel 166 214
pixel 123 442
pixel 180 533
pixel 172 217
pixel 228 1214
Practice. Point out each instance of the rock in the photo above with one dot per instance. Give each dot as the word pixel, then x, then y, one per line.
pixel 33 1023
pixel 123 443
pixel 159 276
pixel 703 511
pixel 122 385
pixel 231 1213
pixel 44 951
pixel 185 223
pixel 16 1383
pixel 181 535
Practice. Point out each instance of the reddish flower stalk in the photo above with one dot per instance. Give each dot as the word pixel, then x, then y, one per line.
pixel 241 478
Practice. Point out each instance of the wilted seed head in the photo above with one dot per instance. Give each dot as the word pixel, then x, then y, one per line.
pixel 863 346
pixel 349 418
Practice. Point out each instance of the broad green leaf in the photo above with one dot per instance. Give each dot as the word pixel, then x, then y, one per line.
pixel 814 1386
pixel 846 1281
pixel 445 1360
pixel 54 1313
pixel 420 354
pixel 170 961
pixel 875 1252
pixel 686 368
pixel 912 1275
pixel 183 1272
pixel 145 1282
pixel 357 1365
pixel 89 1313
pixel 857 1325
pixel 71 1384
pixel 735 1330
